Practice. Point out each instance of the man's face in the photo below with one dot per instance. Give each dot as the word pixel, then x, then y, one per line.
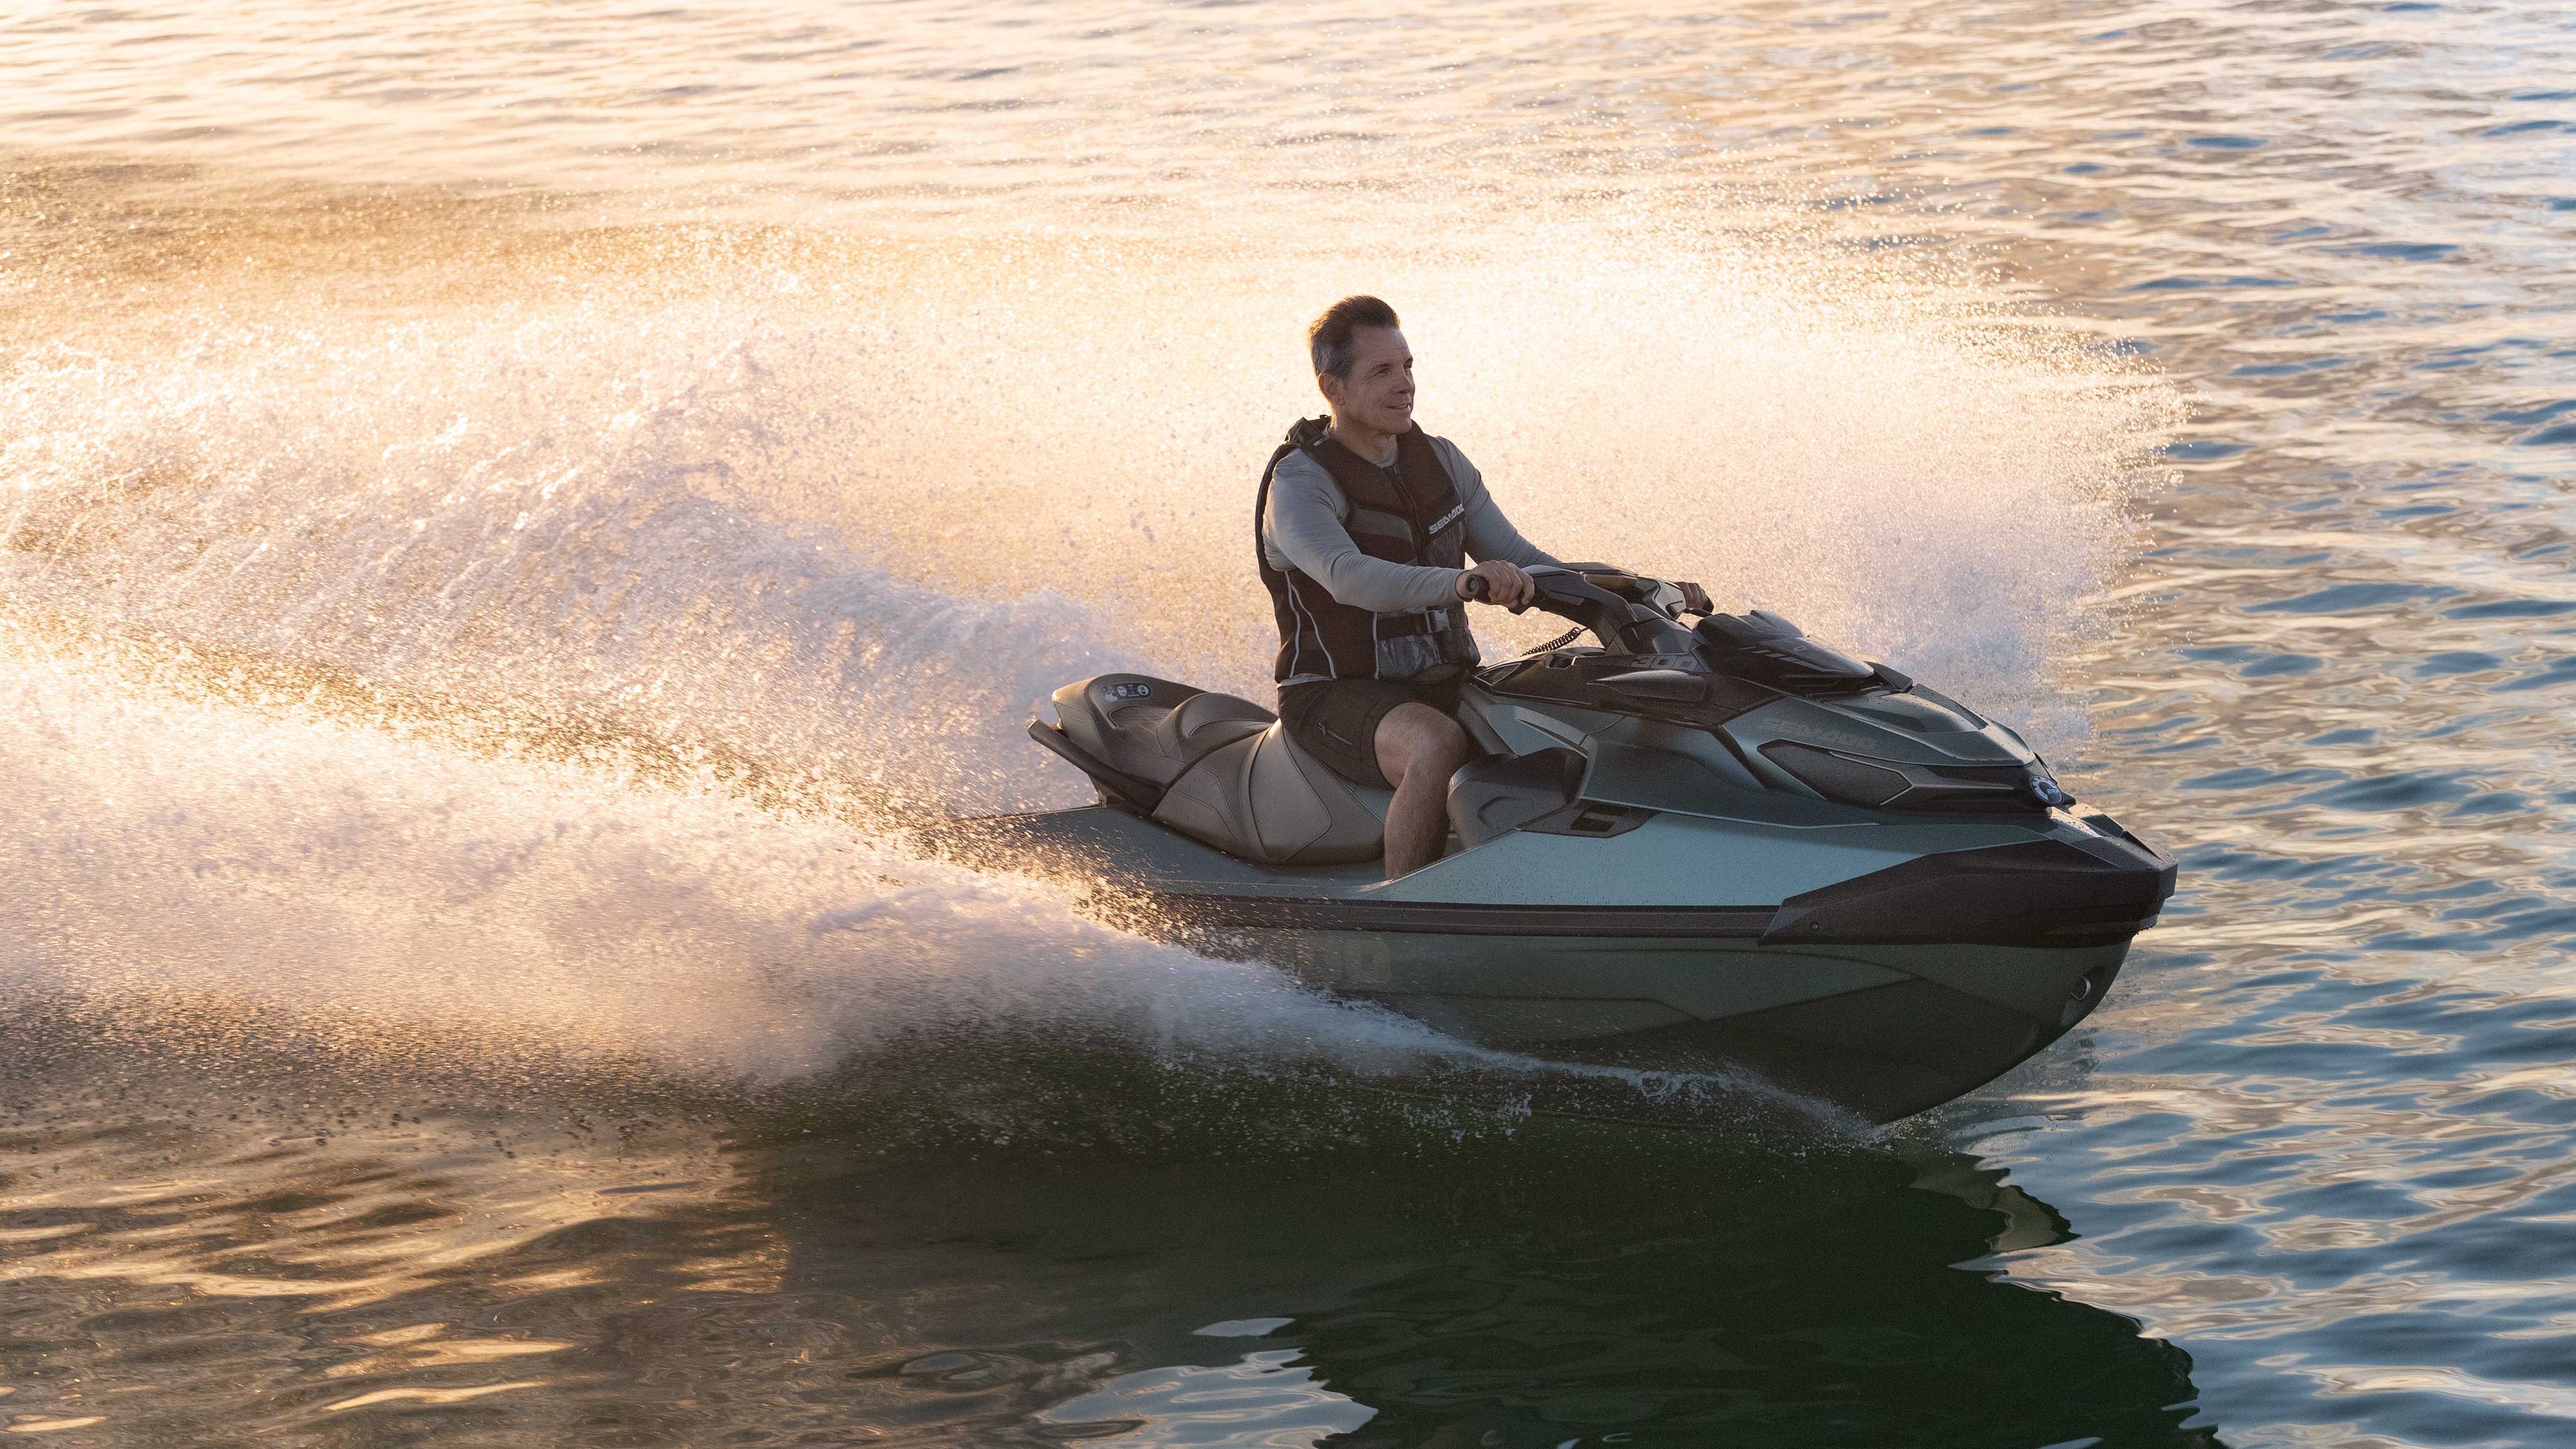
pixel 1378 395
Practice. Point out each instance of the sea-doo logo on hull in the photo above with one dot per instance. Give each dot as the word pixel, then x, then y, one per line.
pixel 1131 691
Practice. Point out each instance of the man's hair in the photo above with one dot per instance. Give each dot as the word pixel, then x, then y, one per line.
pixel 1328 338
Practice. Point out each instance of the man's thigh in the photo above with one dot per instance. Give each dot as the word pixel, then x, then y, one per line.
pixel 1336 721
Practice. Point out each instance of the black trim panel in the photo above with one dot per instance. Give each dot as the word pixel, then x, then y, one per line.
pixel 2049 892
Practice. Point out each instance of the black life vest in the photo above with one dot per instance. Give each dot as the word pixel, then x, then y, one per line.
pixel 1408 514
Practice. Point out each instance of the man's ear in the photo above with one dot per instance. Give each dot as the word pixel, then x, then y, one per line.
pixel 1330 386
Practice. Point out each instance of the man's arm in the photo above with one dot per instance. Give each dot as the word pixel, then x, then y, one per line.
pixel 1490 536
pixel 1302 529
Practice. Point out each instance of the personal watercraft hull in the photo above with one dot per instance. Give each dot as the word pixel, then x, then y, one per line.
pixel 1909 977
pixel 1870 1029
pixel 1680 849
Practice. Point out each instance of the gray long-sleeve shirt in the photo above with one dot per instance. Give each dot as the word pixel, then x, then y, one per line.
pixel 1303 529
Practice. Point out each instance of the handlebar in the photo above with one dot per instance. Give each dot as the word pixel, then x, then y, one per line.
pixel 1624 626
pixel 1480 590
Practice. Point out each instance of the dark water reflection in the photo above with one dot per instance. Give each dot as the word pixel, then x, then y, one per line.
pixel 311 1270
pixel 1509 1294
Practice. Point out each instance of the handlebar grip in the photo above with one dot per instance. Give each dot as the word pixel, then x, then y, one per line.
pixel 1477 588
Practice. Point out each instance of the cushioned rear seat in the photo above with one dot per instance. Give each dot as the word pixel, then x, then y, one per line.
pixel 1152 728
pixel 1233 778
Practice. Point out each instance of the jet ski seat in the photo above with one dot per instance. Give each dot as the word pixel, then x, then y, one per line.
pixel 1218 769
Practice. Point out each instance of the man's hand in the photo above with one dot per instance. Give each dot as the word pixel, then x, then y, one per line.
pixel 1505 584
pixel 1694 598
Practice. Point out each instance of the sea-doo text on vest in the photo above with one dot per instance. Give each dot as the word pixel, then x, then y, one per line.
pixel 1408 514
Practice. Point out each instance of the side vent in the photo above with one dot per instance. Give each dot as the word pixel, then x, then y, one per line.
pixel 1836 777
pixel 1937 789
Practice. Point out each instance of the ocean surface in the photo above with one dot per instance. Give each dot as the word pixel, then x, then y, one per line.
pixel 508 509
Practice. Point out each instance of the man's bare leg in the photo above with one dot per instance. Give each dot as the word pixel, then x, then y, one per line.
pixel 1419 748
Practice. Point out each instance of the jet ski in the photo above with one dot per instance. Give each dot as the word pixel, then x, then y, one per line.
pixel 1685 847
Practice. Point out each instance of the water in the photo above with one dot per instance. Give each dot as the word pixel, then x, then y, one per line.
pixel 512 506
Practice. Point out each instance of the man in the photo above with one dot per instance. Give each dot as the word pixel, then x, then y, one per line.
pixel 1365 525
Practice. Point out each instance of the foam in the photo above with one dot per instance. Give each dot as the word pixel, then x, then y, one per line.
pixel 175 846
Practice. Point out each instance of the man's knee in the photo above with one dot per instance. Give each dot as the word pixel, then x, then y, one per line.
pixel 1446 744
pixel 1415 736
